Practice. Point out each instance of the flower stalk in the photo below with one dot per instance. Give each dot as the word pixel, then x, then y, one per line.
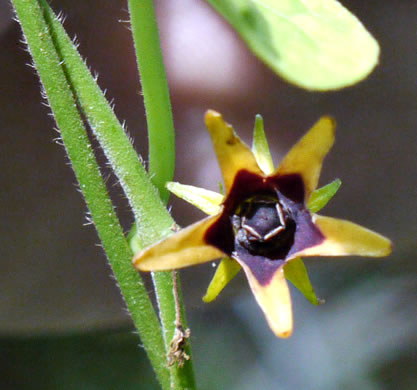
pixel 161 170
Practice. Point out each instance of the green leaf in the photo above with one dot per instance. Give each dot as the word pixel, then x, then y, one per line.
pixel 225 272
pixel 207 201
pixel 296 272
pixel 260 147
pixel 315 44
pixel 319 198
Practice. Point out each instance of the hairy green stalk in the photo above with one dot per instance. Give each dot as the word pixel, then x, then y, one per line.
pixel 155 94
pixel 62 73
pixel 161 160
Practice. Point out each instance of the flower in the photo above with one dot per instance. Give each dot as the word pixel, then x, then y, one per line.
pixel 263 222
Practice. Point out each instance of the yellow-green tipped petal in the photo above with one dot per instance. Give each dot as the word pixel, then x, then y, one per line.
pixel 275 301
pixel 233 155
pixel 260 147
pixel 296 272
pixel 344 238
pixel 320 197
pixel 187 247
pixel 225 272
pixel 306 157
pixel 207 201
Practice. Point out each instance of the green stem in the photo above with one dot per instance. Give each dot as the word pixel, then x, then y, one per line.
pixel 154 221
pixel 182 378
pixel 155 94
pixel 161 157
pixel 44 36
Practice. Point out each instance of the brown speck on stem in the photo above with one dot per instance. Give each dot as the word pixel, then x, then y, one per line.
pixel 176 353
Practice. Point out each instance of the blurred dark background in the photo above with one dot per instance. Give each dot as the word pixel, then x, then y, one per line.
pixel 62 322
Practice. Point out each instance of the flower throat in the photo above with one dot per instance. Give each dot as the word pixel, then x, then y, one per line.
pixel 263 225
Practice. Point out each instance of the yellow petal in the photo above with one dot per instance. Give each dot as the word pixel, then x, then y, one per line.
pixel 187 247
pixel 306 157
pixel 274 300
pixel 233 155
pixel 207 201
pixel 225 272
pixel 343 238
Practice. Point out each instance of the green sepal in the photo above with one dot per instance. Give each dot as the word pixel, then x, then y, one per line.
pixel 225 272
pixel 260 147
pixel 207 201
pixel 320 197
pixel 296 272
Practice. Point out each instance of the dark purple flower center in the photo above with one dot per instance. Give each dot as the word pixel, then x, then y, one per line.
pixel 264 222
pixel 263 226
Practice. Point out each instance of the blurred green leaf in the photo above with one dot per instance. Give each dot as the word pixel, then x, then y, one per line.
pixel 87 361
pixel 315 44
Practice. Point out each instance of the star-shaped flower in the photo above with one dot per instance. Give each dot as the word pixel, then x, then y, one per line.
pixel 263 221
